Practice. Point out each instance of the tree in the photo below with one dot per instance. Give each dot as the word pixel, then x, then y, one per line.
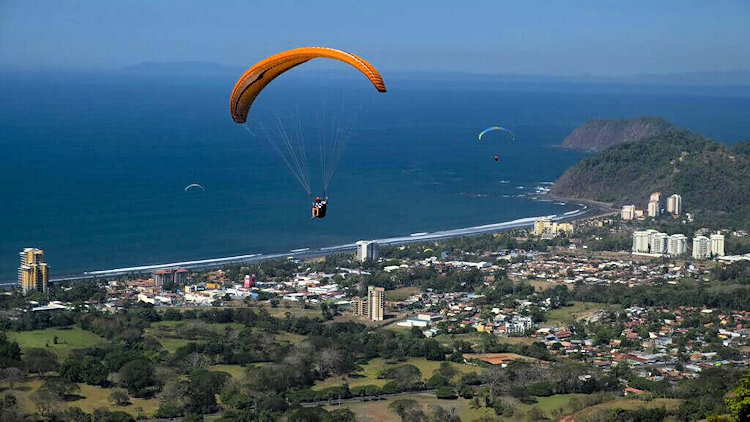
pixel 61 387
pixel 44 401
pixel 738 402
pixel 446 393
pixel 13 375
pixel 9 408
pixel 137 375
pixel 119 397
pixel 40 360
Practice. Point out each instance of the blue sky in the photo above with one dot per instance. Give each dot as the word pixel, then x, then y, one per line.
pixel 604 38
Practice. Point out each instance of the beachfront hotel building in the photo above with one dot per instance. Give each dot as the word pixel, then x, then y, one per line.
pixel 674 204
pixel 628 212
pixel 178 276
pixel 547 228
pixel 701 247
pixel 33 271
pixel 367 250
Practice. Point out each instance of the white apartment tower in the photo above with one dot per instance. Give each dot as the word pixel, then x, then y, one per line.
pixel 642 240
pixel 653 209
pixel 701 247
pixel 674 204
pixel 658 243
pixel 677 245
pixel 367 250
pixel 628 212
pixel 717 244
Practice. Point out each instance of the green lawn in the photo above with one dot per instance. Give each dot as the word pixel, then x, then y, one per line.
pixel 92 398
pixel 377 411
pixel 236 371
pixel 369 373
pixel 568 314
pixel 401 293
pixel 67 339
pixel 475 338
pixel 629 404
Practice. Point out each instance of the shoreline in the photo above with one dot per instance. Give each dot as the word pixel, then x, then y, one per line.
pixel 587 209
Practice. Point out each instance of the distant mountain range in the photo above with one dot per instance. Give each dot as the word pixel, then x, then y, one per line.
pixel 733 78
pixel 712 178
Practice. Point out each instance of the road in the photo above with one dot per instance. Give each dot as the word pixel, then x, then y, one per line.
pixel 585 211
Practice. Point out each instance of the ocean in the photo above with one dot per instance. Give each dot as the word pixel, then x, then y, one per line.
pixel 93 165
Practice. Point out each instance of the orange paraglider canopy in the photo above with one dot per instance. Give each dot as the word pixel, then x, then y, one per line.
pixel 252 82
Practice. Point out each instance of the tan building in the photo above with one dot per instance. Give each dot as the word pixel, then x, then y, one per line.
pixel 547 228
pixel 653 209
pixel 375 302
pixel 33 272
pixel 628 212
pixel 359 306
pixel 674 204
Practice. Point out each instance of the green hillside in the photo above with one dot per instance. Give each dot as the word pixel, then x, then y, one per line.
pixel 713 179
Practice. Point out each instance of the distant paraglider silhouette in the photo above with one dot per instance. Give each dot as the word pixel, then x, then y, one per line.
pixel 498 128
pixel 194 186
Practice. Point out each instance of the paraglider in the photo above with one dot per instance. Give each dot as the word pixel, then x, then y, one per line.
pixel 491 128
pixel 288 139
pixel 498 128
pixel 194 186
pixel 252 82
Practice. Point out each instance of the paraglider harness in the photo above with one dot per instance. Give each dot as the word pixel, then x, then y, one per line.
pixel 322 207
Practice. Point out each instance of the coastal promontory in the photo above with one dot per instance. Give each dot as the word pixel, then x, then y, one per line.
pixel 598 134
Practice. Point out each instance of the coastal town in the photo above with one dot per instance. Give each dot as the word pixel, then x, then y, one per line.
pixel 534 295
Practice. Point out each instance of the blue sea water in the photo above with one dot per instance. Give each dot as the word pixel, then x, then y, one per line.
pixel 93 166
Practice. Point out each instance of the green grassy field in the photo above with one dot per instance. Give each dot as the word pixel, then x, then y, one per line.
pixel 236 371
pixel 629 404
pixel 474 338
pixel 93 398
pixel 68 339
pixel 369 373
pixel 569 314
pixel 377 411
pixel 401 293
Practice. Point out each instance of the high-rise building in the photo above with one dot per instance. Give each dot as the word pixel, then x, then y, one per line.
pixel 641 241
pixel 375 302
pixel 717 244
pixel 674 204
pixel 359 306
pixel 180 276
pixel 653 209
pixel 628 212
pixel 701 247
pixel 655 197
pixel 162 276
pixel 677 245
pixel 33 272
pixel 658 243
pixel 367 250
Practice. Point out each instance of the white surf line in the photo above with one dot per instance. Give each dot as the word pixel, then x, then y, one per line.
pixel 414 237
pixel 173 264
